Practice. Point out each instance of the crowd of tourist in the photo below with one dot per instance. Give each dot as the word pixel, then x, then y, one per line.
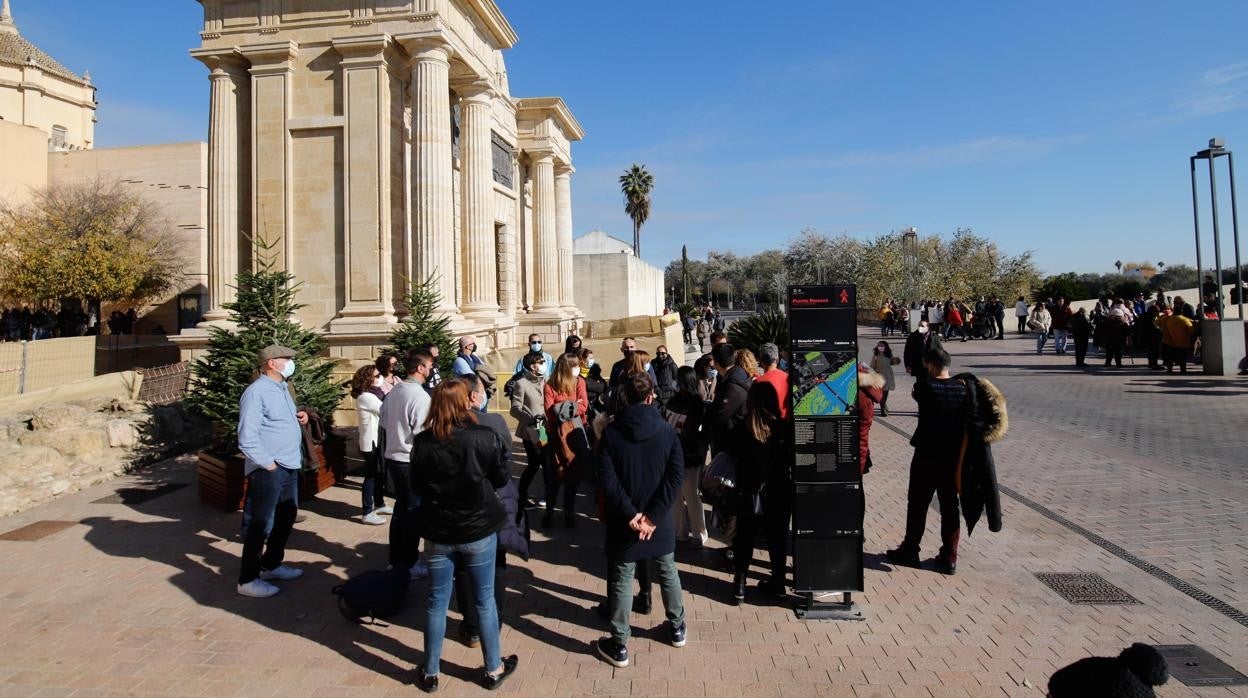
pixel 23 323
pixel 978 319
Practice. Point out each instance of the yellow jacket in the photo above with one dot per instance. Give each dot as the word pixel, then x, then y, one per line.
pixel 1176 331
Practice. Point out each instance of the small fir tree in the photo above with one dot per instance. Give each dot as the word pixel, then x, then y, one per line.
pixel 424 325
pixel 263 312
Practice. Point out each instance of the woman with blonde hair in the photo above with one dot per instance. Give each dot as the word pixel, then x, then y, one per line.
pixel 365 386
pixel 566 401
pixel 748 363
pixel 456 466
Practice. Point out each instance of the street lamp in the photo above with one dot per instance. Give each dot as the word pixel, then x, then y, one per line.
pixel 1222 343
pixel 1217 148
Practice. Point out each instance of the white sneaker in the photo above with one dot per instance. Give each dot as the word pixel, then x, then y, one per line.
pixel 283 573
pixel 372 519
pixel 257 589
pixel 420 570
pixel 384 511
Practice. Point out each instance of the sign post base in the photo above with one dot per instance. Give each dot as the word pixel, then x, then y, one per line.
pixel 846 609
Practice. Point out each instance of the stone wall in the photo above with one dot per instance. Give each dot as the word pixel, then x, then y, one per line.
pixel 25 166
pixel 611 286
pixel 64 447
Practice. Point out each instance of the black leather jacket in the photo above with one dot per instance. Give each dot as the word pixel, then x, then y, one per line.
pixel 455 480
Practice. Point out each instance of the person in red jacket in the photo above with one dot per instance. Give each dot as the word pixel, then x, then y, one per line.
pixel 566 399
pixel 870 393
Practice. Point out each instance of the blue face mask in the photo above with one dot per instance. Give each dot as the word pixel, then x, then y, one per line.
pixel 288 369
pixel 711 373
pixel 535 347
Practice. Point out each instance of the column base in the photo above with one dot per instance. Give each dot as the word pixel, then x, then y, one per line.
pixel 363 324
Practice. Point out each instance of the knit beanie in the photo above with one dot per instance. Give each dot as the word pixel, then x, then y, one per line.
pixel 1132 674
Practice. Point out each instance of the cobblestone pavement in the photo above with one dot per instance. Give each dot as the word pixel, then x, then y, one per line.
pixel 139 599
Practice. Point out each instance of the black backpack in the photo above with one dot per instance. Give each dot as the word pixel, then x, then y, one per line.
pixel 509 388
pixel 373 594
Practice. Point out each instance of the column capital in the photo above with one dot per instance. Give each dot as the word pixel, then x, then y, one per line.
pixel 362 48
pixel 537 155
pixel 273 57
pixel 563 169
pixel 426 46
pixel 479 91
pixel 221 61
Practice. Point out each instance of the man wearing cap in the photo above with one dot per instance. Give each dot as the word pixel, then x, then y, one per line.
pixel 272 444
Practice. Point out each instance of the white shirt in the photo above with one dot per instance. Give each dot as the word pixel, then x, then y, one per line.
pixel 936 315
pixel 368 412
pixel 1020 309
pixel 403 416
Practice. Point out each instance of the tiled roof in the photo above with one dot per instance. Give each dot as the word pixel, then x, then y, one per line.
pixel 16 50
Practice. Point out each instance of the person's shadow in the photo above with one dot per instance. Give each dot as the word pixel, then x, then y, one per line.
pixel 205 572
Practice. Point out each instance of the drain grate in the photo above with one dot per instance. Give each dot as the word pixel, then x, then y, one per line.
pixel 1086 589
pixel 139 495
pixel 1194 666
pixel 37 530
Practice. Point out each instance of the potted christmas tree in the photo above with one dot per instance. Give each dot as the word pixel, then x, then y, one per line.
pixel 262 314
pixel 424 325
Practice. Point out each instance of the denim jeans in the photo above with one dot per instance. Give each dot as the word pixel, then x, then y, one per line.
pixel 274 501
pixel 1041 338
pixel 373 489
pixel 620 594
pixel 477 559
pixel 404 529
pixel 1060 337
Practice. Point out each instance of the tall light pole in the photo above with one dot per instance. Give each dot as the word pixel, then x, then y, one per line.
pixel 1222 342
pixel 910 260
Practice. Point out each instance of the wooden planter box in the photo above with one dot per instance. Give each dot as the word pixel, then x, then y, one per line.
pixel 223 485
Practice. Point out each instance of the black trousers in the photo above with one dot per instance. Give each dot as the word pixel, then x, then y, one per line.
pixel 273 496
pixel 1174 355
pixel 774 521
pixel 404 529
pixel 1000 320
pixel 1081 348
pixel 932 475
pixel 554 484
pixel 534 454
pixel 1022 324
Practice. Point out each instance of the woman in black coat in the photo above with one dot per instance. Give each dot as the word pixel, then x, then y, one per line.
pixel 456 466
pixel 762 483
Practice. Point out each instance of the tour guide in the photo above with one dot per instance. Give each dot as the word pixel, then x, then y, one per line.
pixel 272 442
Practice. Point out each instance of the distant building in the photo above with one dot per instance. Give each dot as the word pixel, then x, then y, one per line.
pixel 611 283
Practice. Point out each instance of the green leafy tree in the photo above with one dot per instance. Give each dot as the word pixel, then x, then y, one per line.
pixel 95 241
pixel 635 185
pixel 1066 286
pixel 424 325
pixel 263 314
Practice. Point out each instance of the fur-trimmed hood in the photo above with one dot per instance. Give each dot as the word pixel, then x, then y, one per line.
pixel 869 378
pixel 996 402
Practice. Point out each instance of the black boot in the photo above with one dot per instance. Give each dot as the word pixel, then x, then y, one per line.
pixel 642 603
pixel 738 588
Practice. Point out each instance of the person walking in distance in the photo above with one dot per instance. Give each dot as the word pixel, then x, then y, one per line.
pixel 998 316
pixel 944 412
pixel 1021 312
pixel 271 440
pixel 1081 330
pixel 919 343
pixel 640 468
pixel 402 416
pixel 882 362
pixel 1040 322
pixel 1061 326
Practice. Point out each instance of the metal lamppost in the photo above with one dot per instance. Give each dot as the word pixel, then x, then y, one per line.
pixel 1217 148
pixel 1222 344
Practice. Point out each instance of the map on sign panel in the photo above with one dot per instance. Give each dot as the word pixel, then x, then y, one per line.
pixel 826 385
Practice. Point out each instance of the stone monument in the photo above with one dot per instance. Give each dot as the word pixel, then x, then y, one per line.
pixel 374 142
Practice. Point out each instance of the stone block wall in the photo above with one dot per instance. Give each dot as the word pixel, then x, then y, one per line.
pixel 611 286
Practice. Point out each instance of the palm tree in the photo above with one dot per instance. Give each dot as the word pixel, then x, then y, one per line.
pixel 635 185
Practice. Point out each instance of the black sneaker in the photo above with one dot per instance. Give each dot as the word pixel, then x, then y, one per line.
pixel 678 634
pixel 428 684
pixel 944 565
pixel 614 652
pixel 491 683
pixel 897 556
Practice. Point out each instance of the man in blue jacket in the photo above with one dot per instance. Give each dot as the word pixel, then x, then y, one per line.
pixel 271 440
pixel 640 468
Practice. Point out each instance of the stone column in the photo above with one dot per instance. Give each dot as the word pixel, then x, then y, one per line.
pixel 272 68
pixel 563 228
pixel 476 192
pixel 545 234
pixel 366 108
pixel 432 171
pixel 508 276
pixel 224 169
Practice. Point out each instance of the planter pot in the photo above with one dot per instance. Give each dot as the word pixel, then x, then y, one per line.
pixel 223 485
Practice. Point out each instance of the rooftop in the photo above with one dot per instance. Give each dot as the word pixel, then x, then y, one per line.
pixel 16 50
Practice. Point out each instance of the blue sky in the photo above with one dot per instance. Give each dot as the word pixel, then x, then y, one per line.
pixel 1061 127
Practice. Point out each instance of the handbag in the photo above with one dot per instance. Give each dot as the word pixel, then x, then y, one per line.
pixel 722 473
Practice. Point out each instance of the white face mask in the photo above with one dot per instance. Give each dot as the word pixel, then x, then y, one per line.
pixel 647 365
pixel 590 363
pixel 288 369
pixel 378 382
pixel 922 329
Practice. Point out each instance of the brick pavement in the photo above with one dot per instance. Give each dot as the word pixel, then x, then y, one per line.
pixel 139 599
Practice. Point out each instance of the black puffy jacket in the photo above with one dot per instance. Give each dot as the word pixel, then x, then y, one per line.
pixel 727 411
pixel 455 480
